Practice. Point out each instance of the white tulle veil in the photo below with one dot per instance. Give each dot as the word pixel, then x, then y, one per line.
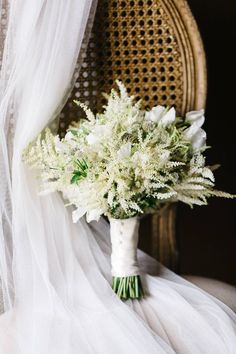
pixel 42 45
pixel 53 301
pixel 55 275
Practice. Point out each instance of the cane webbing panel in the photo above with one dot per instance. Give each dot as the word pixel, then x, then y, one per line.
pixel 154 47
pixel 135 44
pixel 146 45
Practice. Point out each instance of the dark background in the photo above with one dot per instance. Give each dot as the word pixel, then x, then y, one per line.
pixel 207 235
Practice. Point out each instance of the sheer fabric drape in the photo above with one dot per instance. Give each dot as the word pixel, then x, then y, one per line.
pixel 55 275
pixel 42 44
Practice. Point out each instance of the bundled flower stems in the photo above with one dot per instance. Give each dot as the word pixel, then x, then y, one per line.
pixel 123 163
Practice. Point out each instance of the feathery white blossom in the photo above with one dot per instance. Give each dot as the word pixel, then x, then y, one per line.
pixel 125 161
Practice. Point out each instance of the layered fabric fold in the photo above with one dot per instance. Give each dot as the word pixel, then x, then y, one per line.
pixel 55 275
pixel 42 44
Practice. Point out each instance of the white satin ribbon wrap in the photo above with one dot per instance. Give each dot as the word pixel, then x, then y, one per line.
pixel 124 240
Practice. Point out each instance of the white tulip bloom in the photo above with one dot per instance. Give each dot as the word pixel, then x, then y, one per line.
pixel 155 114
pixel 194 116
pixel 99 132
pixel 195 134
pixel 168 117
pixel 161 115
pixel 124 151
pixel 199 140
pixel 93 139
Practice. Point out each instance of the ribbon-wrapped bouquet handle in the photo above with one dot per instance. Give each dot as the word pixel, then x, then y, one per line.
pixel 126 281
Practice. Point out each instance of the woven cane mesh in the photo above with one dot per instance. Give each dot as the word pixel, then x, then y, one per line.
pixel 141 43
pixel 135 42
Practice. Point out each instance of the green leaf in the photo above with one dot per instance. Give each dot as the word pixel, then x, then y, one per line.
pixel 72 131
pixel 74 179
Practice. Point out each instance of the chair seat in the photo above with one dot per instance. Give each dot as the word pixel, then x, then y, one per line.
pixel 221 290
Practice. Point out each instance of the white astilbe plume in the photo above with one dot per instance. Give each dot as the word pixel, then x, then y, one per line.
pixel 89 113
pixel 124 161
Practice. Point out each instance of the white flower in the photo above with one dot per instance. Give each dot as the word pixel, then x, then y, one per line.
pixel 98 133
pixel 164 157
pixel 168 117
pixel 124 151
pixel 94 214
pixel 122 156
pixel 195 116
pixel 93 139
pixel 59 146
pixel 199 140
pixel 195 134
pixel 161 115
pixel 140 156
pixel 71 191
pixel 78 213
pixel 71 140
pixel 155 114
pixel 69 136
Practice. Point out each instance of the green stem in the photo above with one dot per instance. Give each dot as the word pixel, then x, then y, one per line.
pixel 128 287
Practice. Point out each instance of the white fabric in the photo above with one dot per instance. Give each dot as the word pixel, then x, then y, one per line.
pixel 55 274
pixel 124 239
pixel 221 290
pixel 42 45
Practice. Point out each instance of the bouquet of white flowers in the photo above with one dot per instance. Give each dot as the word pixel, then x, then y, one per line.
pixel 123 163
